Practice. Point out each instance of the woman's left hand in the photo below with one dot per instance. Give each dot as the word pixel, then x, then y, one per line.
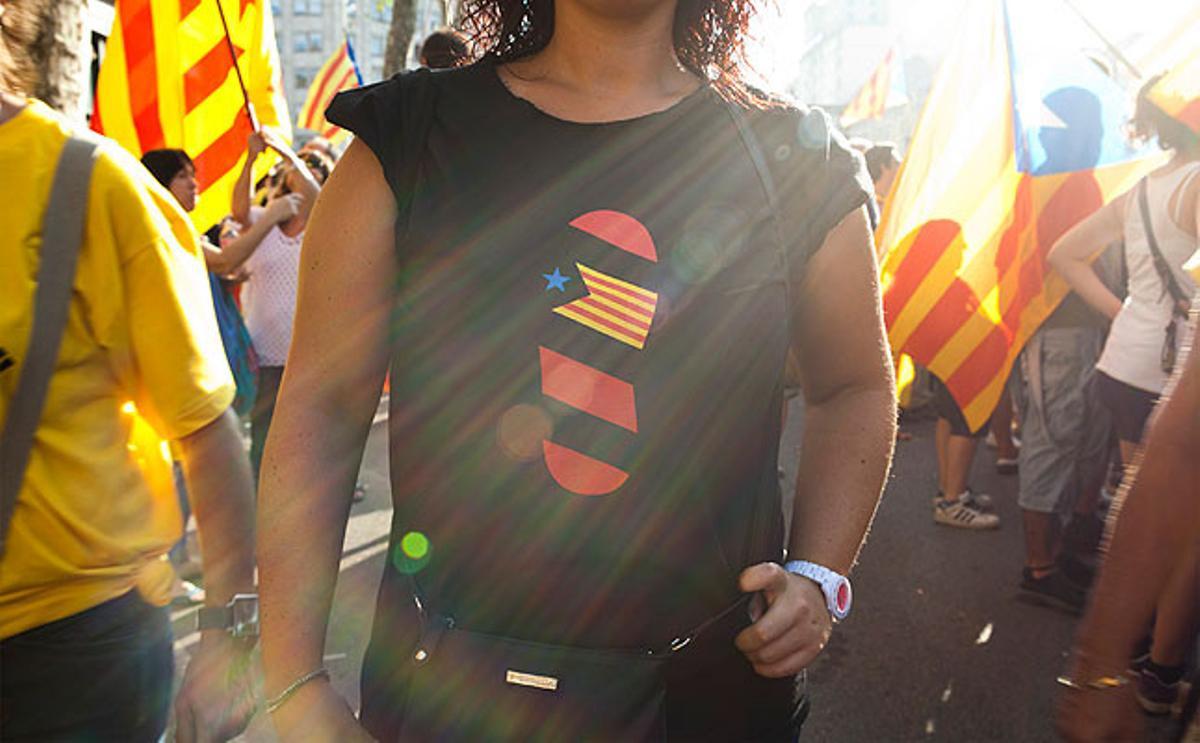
pixel 793 630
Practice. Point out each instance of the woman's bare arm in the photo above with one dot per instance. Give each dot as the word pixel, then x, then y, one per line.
pixel 239 206
pixel 1155 528
pixel 850 396
pixel 849 432
pixel 229 257
pixel 330 390
pixel 308 186
pixel 1072 255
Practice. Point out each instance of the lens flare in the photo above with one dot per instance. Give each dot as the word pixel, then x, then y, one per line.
pixel 521 431
pixel 412 554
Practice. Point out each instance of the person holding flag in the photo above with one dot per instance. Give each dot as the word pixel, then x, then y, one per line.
pixel 269 248
pixel 198 75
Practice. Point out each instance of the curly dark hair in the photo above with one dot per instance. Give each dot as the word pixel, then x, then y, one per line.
pixel 709 37
pixel 1150 121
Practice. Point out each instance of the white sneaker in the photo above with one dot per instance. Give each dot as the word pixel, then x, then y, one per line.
pixel 981 501
pixel 964 513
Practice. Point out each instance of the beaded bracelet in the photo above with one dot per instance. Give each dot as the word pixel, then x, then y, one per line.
pixel 286 694
pixel 1098 684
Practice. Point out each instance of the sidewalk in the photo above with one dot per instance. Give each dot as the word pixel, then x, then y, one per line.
pixel 358 577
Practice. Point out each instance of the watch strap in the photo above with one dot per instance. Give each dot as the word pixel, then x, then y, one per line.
pixel 214 617
pixel 834 585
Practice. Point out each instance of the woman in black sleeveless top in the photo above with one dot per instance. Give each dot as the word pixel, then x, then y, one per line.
pixel 582 260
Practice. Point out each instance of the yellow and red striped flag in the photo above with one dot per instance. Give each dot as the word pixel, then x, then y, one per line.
pixel 340 72
pixel 616 308
pixel 168 80
pixel 883 90
pixel 1178 92
pixel 981 198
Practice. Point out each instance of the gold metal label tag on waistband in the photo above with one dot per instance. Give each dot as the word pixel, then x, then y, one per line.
pixel 549 683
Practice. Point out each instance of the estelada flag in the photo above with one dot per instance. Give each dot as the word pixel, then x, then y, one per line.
pixel 340 72
pixel 168 80
pixel 1178 92
pixel 1019 140
pixel 883 90
pixel 616 308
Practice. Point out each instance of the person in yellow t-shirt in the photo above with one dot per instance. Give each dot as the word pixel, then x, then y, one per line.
pixel 85 643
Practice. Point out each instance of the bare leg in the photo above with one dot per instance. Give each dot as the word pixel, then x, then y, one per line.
pixel 1177 616
pixel 941 435
pixel 1001 424
pixel 960 452
pixel 1041 542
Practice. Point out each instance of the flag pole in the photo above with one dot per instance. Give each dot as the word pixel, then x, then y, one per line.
pixel 237 69
pixel 1112 48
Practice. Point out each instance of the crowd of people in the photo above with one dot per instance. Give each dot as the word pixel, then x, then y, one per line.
pixel 618 542
pixel 1081 395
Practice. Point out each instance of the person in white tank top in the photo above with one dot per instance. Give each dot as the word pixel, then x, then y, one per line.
pixel 1132 374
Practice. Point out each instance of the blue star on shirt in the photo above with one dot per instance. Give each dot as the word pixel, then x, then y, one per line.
pixel 556 280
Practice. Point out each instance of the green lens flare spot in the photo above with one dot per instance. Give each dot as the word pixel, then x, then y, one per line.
pixel 415 545
pixel 412 553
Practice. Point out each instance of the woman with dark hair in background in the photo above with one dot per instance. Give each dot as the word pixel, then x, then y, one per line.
pixel 176 171
pixel 443 49
pixel 1159 221
pixel 583 258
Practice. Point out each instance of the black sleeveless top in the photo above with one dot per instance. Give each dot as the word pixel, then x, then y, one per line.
pixel 590 330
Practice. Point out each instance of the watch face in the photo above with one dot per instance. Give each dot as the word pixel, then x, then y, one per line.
pixel 842 598
pixel 245 616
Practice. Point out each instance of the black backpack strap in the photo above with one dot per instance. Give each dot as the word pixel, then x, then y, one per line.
pixel 1170 285
pixel 754 151
pixel 62 236
pixel 815 128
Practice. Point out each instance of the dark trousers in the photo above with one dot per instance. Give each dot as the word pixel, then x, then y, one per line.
pixel 103 674
pixel 269 378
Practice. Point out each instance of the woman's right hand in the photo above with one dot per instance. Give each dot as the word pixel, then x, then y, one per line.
pixel 255 146
pixel 317 712
pixel 275 142
pixel 283 208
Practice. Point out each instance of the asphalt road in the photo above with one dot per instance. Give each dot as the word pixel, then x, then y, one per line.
pixel 939 645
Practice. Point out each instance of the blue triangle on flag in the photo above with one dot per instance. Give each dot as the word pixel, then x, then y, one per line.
pixel 1068 113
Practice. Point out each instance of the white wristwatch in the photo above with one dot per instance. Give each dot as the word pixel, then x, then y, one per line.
pixel 835 586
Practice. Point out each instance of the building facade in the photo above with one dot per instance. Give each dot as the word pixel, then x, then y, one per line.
pixel 847 40
pixel 307 32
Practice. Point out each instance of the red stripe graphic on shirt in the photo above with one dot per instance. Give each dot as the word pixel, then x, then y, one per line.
pixel 588 389
pixel 616 308
pixel 619 230
pixel 580 473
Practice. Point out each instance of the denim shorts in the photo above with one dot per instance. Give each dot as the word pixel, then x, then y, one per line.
pixel 1065 428
pixel 102 674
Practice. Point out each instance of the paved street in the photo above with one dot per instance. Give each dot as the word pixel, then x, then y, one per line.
pixel 939 646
